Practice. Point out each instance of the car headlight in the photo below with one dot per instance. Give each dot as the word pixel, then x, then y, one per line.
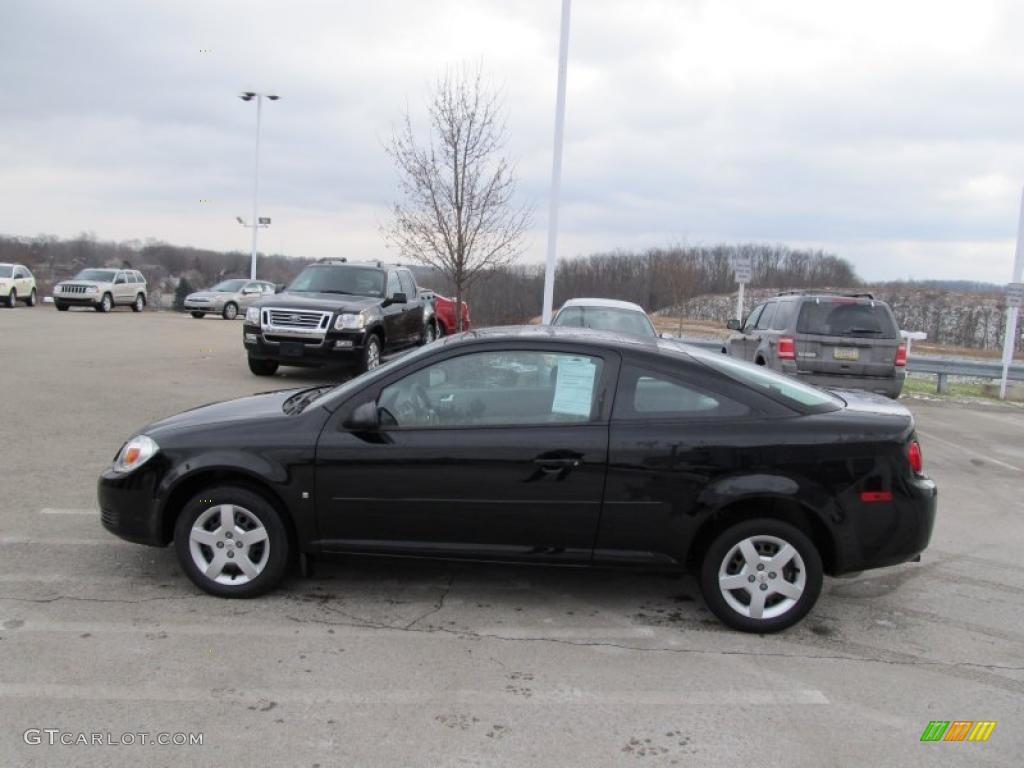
pixel 135 453
pixel 350 322
pixel 252 315
pixel 91 289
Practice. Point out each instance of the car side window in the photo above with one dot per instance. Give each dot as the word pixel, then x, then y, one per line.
pixel 21 273
pixel 495 389
pixel 783 314
pixel 752 318
pixel 120 279
pixel 268 288
pixel 394 286
pixel 646 393
pixel 408 284
pixel 764 322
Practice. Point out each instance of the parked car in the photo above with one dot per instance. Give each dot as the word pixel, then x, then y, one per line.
pixel 444 312
pixel 831 340
pixel 17 284
pixel 539 445
pixel 605 315
pixel 102 289
pixel 228 297
pixel 338 311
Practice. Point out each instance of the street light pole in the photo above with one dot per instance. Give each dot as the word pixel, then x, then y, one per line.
pixel 249 96
pixel 556 165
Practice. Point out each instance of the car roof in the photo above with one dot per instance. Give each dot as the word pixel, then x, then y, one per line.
pixel 343 261
pixel 570 335
pixel 610 303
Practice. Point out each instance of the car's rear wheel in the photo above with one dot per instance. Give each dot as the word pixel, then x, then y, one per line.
pixel 139 304
pixel 106 303
pixel 230 311
pixel 60 307
pixel 12 299
pixel 761 575
pixel 198 315
pixel 32 298
pixel 262 367
pixel 371 354
pixel 231 542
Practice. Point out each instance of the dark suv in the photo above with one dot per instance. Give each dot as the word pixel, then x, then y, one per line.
pixel 848 341
pixel 338 311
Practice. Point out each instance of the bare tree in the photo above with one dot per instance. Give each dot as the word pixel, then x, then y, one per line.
pixel 456 214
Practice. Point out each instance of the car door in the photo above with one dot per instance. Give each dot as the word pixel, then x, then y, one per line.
pixel 395 325
pixel 122 289
pixel 249 293
pixel 740 346
pixel 22 282
pixel 497 453
pixel 413 315
pixel 672 433
pixel 761 335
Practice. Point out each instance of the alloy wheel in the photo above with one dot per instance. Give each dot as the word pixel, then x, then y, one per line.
pixel 372 353
pixel 229 545
pixel 762 577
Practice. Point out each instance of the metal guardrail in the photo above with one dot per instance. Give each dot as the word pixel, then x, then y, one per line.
pixel 941 367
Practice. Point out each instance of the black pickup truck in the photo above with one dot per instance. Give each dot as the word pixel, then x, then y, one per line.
pixel 337 312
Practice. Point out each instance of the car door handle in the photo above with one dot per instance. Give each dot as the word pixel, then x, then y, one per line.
pixel 557 464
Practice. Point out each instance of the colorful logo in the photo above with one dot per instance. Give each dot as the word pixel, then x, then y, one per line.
pixel 958 730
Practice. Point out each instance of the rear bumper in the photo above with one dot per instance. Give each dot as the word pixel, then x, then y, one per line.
pixel 890 386
pixel 336 347
pixel 888 533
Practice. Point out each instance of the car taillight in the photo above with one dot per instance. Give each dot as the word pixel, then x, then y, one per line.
pixel 901 354
pixel 915 457
pixel 787 348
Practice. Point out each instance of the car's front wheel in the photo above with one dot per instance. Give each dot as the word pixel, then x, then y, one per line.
pixel 761 575
pixel 428 334
pixel 60 306
pixel 371 354
pixel 198 315
pixel 262 367
pixel 230 311
pixel 231 542
pixel 32 298
pixel 12 299
pixel 106 303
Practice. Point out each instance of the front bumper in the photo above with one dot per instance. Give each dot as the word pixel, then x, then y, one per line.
pixel 333 347
pixel 78 299
pixel 128 503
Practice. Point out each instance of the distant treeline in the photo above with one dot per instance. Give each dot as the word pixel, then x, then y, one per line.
pixel 656 278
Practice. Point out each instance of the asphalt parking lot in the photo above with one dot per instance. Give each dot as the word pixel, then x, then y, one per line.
pixel 405 663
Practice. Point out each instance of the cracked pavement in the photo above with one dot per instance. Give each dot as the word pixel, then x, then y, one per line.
pixel 375 662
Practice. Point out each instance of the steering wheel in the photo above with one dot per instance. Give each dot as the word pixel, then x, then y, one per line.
pixel 419 394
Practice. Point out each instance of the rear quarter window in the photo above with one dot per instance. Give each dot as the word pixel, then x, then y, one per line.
pixel 783 316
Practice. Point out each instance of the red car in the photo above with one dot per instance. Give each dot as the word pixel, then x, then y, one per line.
pixel 444 311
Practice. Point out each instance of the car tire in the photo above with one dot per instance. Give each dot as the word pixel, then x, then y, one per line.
pixel 428 334
pixel 262 367
pixel 728 567
pixel 230 311
pixel 106 303
pixel 32 299
pixel 232 542
pixel 60 307
pixel 370 358
pixel 139 304
pixel 441 332
pixel 12 299
pixel 198 315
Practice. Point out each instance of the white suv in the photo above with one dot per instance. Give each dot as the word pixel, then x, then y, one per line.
pixel 102 289
pixel 16 284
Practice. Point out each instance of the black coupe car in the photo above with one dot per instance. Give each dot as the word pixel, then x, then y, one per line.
pixel 540 444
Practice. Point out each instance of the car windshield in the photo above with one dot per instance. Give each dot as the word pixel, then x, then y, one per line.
pixel 360 281
pixel 769 382
pixel 6 270
pixel 846 317
pixel 98 275
pixel 229 286
pixel 605 319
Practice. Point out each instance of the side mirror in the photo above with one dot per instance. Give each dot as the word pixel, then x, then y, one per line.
pixel 666 335
pixel 733 324
pixel 399 298
pixel 365 418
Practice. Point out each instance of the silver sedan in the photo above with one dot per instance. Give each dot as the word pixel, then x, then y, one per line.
pixel 227 298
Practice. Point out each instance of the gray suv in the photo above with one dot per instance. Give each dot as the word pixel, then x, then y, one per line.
pixel 843 341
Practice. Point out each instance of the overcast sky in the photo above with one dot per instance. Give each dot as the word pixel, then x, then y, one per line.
pixel 890 132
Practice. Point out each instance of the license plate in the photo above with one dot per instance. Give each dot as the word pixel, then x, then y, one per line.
pixel 292 349
pixel 845 353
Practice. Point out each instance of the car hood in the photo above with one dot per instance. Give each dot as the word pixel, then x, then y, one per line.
pixel 336 302
pixel 266 405
pixel 97 283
